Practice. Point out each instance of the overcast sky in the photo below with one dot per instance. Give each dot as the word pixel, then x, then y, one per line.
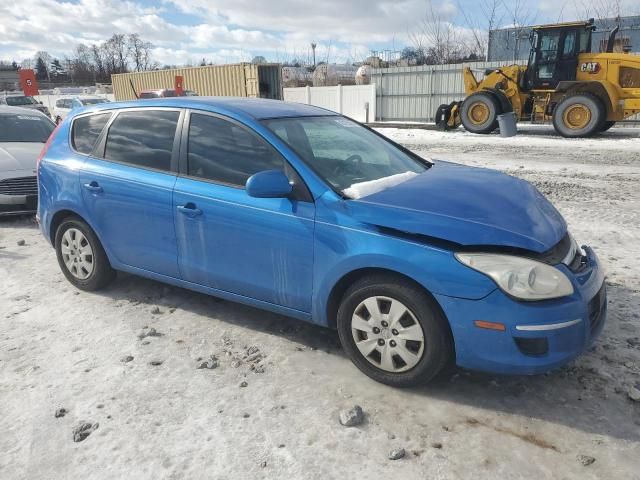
pixel 236 30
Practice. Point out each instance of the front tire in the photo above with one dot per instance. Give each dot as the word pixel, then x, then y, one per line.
pixel 579 115
pixel 393 331
pixel 81 256
pixel 480 112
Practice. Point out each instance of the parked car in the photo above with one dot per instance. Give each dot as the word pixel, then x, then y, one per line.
pixel 165 92
pixel 24 101
pixel 65 104
pixel 298 210
pixel 22 136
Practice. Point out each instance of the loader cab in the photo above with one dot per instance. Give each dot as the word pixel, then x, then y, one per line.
pixel 554 54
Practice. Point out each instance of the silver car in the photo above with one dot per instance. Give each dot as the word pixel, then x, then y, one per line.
pixel 24 101
pixel 23 133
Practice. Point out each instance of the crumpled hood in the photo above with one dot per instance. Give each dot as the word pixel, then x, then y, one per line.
pixel 468 206
pixel 19 155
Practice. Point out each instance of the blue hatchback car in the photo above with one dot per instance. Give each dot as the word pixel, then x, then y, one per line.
pixel 301 211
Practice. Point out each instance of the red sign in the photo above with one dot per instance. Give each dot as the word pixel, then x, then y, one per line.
pixel 28 82
pixel 178 85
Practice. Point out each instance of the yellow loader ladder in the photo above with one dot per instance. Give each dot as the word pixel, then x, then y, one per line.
pixel 539 108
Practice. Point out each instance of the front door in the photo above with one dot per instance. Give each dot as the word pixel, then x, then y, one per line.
pixel 128 185
pixel 555 57
pixel 261 248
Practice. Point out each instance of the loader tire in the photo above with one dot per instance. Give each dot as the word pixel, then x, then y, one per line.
pixel 607 125
pixel 579 115
pixel 480 112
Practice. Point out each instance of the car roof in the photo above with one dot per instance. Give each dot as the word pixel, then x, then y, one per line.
pixel 256 108
pixel 80 96
pixel 20 110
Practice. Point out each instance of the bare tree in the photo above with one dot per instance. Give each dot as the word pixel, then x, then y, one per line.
pixel 521 15
pixel 490 15
pixel 437 39
pixel 116 52
pixel 140 53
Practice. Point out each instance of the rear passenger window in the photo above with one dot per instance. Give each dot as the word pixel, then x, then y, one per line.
pixel 224 152
pixel 86 131
pixel 142 138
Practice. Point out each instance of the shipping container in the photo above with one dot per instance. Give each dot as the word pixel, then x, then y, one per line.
pixel 237 80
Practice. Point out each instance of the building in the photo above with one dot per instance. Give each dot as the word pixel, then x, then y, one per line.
pixel 508 44
pixel 9 79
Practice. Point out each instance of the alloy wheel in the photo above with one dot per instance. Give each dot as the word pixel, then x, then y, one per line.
pixel 77 254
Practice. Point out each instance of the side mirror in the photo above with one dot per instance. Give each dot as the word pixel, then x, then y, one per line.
pixel 268 184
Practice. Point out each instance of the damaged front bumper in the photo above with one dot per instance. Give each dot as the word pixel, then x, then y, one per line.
pixel 538 336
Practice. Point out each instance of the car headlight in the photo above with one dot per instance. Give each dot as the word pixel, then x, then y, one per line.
pixel 520 277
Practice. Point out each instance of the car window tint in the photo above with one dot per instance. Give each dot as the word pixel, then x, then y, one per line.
pixel 59 103
pixel 24 127
pixel 86 131
pixel 224 152
pixel 142 138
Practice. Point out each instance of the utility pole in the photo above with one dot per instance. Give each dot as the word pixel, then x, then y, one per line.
pixel 313 47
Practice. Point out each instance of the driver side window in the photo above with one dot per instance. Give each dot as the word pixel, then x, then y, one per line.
pixel 326 144
pixel 224 152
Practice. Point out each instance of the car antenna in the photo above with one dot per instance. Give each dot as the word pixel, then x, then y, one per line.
pixel 133 88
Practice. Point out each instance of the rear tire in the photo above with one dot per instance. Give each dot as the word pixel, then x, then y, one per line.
pixel 607 125
pixel 480 112
pixel 81 256
pixel 408 345
pixel 579 115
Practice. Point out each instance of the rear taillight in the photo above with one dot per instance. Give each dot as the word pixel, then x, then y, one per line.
pixel 43 152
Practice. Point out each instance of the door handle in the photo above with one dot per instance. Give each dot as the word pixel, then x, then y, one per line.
pixel 93 187
pixel 189 210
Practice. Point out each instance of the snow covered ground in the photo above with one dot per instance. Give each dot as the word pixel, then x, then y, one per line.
pixel 159 416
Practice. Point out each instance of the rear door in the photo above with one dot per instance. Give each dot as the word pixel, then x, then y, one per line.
pixel 260 248
pixel 127 183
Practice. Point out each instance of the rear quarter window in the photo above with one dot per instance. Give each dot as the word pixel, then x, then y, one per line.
pixel 143 138
pixel 86 130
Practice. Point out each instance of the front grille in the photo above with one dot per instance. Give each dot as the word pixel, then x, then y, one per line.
pixel 597 307
pixel 19 186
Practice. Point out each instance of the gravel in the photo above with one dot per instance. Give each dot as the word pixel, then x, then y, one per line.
pixel 586 460
pixel 396 454
pixel 150 333
pixel 83 430
pixel 352 417
pixel 61 412
pixel 210 363
pixel 634 394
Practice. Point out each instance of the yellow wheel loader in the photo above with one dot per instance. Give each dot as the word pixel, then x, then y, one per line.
pixel 582 93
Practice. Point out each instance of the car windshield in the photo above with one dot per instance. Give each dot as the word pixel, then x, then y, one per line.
pixel 346 154
pixel 93 101
pixel 24 128
pixel 20 100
